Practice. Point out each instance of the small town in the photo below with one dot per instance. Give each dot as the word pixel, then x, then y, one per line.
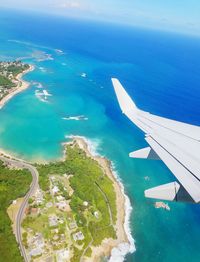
pixel 8 76
pixel 50 231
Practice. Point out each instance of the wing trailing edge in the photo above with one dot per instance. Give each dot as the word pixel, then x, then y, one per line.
pixel 177 144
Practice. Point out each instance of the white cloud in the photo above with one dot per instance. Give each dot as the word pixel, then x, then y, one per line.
pixel 71 4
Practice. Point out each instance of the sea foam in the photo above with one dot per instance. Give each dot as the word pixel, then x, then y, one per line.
pixel 93 144
pixel 118 253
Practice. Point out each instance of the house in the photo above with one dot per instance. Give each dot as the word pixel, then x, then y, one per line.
pixel 78 236
pixel 55 190
pixel 49 205
pixel 62 255
pixel 72 225
pixel 96 214
pixel 85 203
pixel 36 252
pixel 37 245
pixel 39 199
pixel 60 198
pixel 62 205
pixel 53 221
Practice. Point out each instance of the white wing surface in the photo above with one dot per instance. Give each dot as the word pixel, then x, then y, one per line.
pixel 177 144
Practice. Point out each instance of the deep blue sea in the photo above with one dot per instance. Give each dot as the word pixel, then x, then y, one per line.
pixel 161 71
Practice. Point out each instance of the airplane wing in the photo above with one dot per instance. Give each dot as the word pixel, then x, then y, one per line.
pixel 175 143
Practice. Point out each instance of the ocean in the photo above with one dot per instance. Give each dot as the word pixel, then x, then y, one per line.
pixel 74 61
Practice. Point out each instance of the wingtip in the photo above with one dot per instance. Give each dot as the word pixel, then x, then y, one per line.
pixel 126 103
pixel 114 80
pixel 115 83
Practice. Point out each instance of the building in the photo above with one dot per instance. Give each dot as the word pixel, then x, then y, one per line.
pixel 62 255
pixel 96 214
pixel 39 199
pixel 53 221
pixel 36 245
pixel 62 205
pixel 78 236
pixel 55 190
pixel 85 203
pixel 36 252
pixel 72 225
pixel 60 198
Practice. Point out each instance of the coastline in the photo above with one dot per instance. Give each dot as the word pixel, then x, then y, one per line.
pixel 11 155
pixel 114 249
pixel 21 86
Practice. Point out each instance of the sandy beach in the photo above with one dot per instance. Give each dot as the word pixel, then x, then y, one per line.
pixel 108 244
pixel 21 86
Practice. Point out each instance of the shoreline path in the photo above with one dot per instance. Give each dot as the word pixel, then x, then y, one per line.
pixel 33 187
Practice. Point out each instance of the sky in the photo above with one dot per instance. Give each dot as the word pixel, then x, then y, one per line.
pixel 174 15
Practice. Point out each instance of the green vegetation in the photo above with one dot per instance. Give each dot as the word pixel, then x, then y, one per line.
pixel 13 184
pixel 17 68
pixel 89 183
pixel 24 239
pixel 8 74
pixel 88 252
pixel 5 82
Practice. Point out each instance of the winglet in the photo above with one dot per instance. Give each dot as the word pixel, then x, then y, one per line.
pixel 125 102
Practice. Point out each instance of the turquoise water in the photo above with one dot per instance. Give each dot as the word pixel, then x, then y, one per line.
pixel 160 70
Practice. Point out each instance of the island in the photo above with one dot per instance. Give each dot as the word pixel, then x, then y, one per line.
pixel 11 83
pixel 75 213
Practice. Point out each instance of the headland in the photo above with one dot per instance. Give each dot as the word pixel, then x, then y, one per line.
pixel 11 82
pixel 78 212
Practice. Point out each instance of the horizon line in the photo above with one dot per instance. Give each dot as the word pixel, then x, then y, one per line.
pixel 104 21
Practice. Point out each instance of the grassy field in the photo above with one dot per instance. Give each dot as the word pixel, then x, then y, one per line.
pixel 13 184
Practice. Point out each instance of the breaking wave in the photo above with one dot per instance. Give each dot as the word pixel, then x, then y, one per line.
pixel 118 253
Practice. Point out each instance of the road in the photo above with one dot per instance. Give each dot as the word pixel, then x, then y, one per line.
pixel 111 220
pixel 33 187
pixel 107 203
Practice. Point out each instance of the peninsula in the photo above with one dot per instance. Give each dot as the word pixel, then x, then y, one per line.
pixel 77 212
pixel 11 82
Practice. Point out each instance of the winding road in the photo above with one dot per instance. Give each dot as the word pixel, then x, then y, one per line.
pixel 33 187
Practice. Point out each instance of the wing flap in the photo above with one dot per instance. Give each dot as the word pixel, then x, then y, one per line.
pixel 189 182
pixel 189 161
